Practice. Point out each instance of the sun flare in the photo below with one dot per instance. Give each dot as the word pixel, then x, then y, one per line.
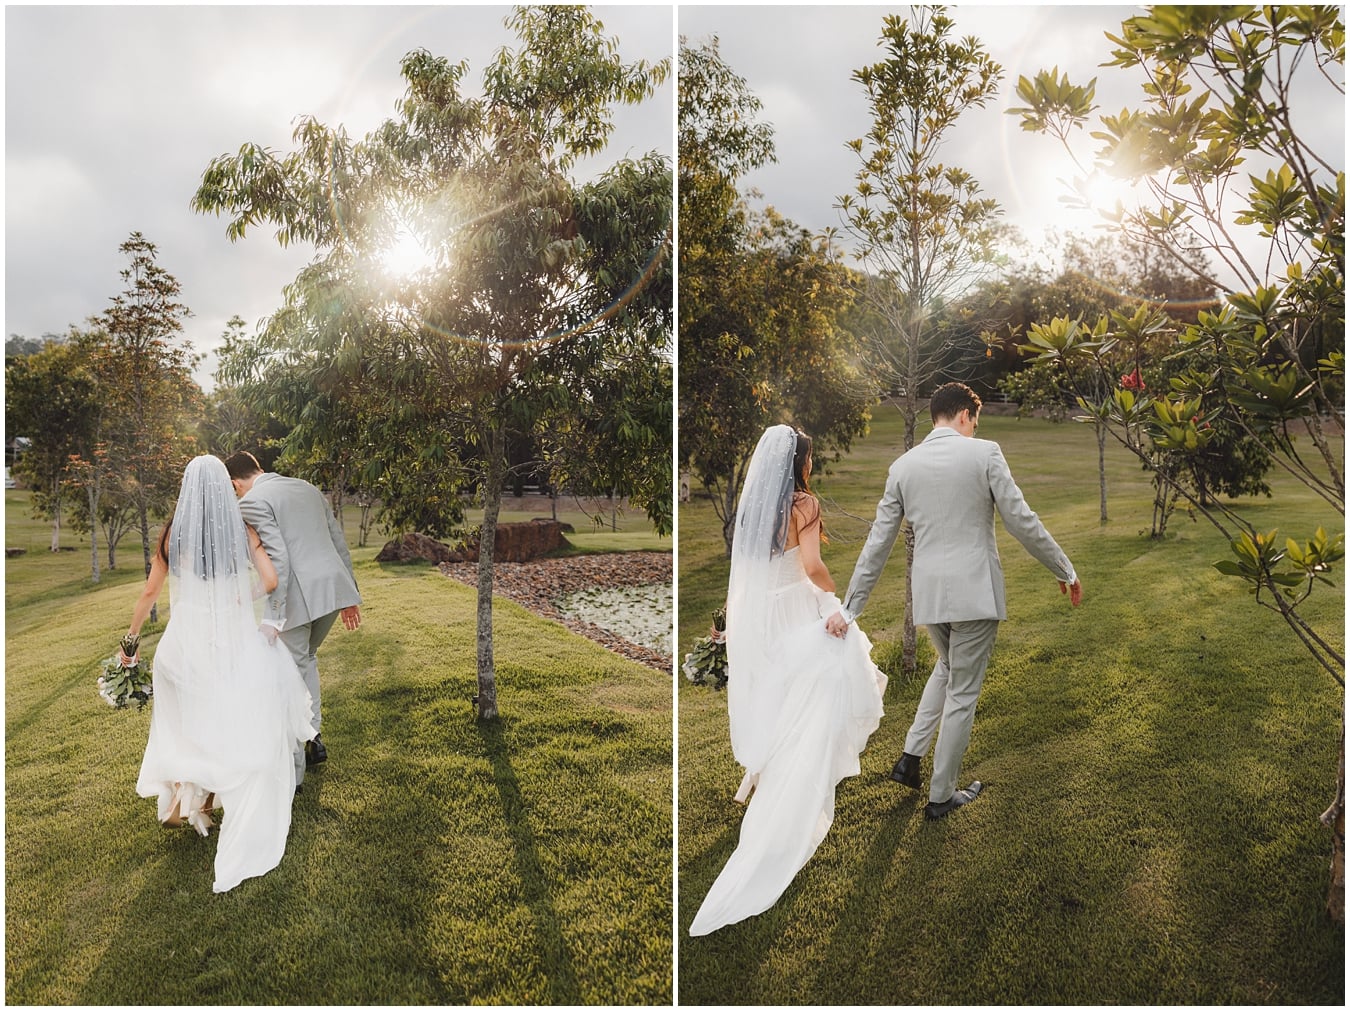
pixel 1102 196
pixel 405 257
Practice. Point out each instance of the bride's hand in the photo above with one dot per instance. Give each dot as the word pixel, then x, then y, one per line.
pixel 836 625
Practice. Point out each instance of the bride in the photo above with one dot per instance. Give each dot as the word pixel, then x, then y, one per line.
pixel 229 708
pixel 802 703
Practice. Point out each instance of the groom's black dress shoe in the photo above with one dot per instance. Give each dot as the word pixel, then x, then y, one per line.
pixel 315 752
pixel 906 770
pixel 959 799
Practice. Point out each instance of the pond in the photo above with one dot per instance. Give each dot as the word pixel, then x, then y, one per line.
pixel 641 614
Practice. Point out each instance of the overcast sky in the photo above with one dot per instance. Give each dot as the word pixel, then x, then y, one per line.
pixel 799 61
pixel 113 113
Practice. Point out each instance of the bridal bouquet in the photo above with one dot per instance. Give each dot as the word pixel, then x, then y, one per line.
pixel 708 659
pixel 119 685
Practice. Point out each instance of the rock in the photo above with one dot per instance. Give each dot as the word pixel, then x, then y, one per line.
pixel 415 548
pixel 516 542
pixel 12 552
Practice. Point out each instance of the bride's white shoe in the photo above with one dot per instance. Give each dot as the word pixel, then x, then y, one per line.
pixel 748 784
pixel 193 804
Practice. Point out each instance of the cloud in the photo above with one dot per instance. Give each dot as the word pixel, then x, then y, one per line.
pixel 113 113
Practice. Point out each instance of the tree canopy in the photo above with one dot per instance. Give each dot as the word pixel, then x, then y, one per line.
pixel 534 289
pixel 761 340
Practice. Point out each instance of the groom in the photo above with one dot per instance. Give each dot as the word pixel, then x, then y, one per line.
pixel 314 570
pixel 948 487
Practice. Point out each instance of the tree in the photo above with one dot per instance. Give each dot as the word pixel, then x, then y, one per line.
pixel 524 269
pixel 49 399
pixel 93 469
pixel 230 422
pixel 761 340
pixel 1220 90
pixel 19 346
pixel 1116 274
pixel 919 228
pixel 148 381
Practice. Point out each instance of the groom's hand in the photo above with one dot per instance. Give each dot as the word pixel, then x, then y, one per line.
pixel 351 617
pixel 836 625
pixel 1075 592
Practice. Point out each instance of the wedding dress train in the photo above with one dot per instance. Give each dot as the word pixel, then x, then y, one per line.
pixel 817 702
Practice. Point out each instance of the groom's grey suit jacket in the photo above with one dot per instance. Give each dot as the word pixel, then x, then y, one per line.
pixel 303 539
pixel 949 487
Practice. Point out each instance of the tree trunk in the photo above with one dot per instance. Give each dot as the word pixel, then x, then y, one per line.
pixel 1329 456
pixel 93 535
pixel 364 534
pixel 494 481
pixel 1334 818
pixel 112 561
pixel 909 659
pixel 1100 426
pixel 729 523
pixel 1164 502
pixel 143 512
pixel 56 515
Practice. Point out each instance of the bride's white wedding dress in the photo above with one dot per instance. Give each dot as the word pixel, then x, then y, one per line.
pixel 226 718
pixel 818 702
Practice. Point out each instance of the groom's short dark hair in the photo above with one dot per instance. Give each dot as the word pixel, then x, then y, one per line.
pixel 950 400
pixel 242 466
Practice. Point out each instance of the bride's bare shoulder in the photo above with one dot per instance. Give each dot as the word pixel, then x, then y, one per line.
pixel 807 506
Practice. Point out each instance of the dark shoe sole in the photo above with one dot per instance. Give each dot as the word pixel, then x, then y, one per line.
pixel 932 812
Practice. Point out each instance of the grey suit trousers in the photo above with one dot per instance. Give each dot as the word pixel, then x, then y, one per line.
pixel 947 707
pixel 303 642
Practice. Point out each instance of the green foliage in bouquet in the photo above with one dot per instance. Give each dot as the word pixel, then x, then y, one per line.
pixel 706 663
pixel 120 685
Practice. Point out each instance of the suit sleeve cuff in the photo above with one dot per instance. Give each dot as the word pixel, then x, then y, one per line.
pixel 848 615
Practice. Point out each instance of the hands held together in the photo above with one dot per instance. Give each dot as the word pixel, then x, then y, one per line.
pixel 836 626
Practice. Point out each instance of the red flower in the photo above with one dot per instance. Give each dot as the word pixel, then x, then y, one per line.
pixel 1132 381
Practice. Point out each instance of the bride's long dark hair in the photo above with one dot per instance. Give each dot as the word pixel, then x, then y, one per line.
pixel 801 482
pixel 801 477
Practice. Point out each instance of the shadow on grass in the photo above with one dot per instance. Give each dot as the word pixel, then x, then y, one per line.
pixel 335 922
pixel 562 981
pixel 868 909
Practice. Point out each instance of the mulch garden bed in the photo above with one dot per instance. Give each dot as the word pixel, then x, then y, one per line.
pixel 537 584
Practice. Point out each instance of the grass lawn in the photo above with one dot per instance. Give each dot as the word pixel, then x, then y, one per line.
pixel 1156 762
pixel 431 861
